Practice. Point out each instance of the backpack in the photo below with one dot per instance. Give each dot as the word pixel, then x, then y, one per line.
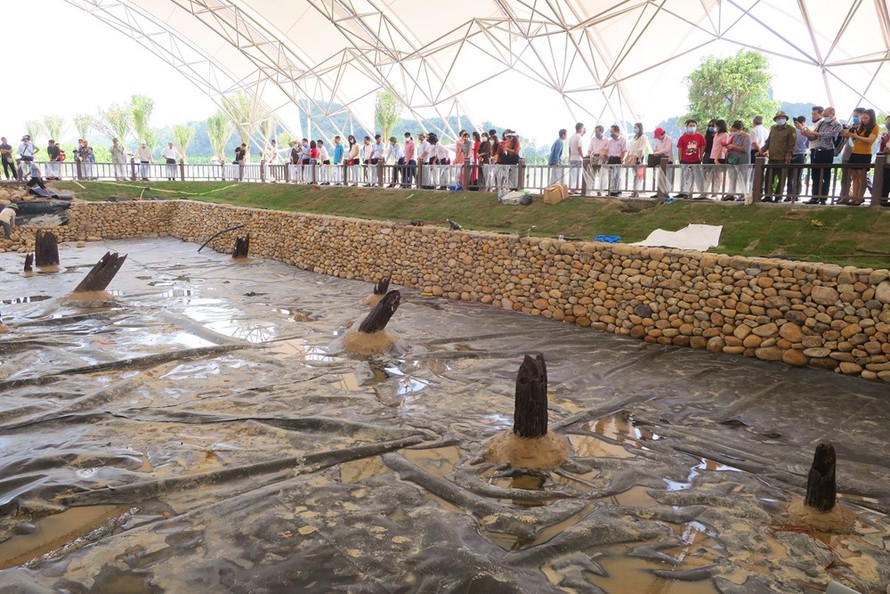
pixel 61 155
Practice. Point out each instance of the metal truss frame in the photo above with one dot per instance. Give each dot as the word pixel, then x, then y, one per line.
pixel 555 44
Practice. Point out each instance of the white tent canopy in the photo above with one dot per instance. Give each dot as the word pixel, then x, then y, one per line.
pixel 497 59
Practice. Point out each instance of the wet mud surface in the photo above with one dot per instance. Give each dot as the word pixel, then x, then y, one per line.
pixel 201 428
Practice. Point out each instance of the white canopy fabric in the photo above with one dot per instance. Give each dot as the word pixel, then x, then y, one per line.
pixel 600 59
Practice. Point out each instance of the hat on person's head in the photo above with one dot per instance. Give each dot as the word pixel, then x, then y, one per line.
pixel 26 137
pixel 393 139
pixel 508 132
pixel 658 132
pixel 780 114
pixel 13 205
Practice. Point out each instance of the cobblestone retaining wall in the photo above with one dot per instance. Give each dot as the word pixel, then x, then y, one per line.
pixel 820 315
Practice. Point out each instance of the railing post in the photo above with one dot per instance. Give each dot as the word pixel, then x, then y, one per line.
pixel 132 169
pixel 520 181
pixel 182 169
pixel 418 178
pixel 263 171
pixel 877 182
pixel 661 170
pixel 757 183
pixel 240 171
pixel 380 172
pixel 77 166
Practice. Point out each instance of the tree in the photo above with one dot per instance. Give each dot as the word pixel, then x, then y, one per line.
pixel 182 136
pixel 35 129
pixel 219 128
pixel 386 113
pixel 84 122
pixel 245 112
pixel 141 107
pixel 54 125
pixel 116 122
pixel 733 88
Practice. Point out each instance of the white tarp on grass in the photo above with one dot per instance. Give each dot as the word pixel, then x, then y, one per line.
pixel 690 237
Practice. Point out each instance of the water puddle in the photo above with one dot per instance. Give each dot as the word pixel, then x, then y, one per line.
pixel 621 427
pixel 217 315
pixel 588 446
pixel 300 349
pixel 631 574
pixel 51 532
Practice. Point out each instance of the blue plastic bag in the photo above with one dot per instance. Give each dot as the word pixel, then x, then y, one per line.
pixel 608 238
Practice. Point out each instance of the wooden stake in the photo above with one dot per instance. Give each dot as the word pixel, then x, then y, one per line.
pixel 242 246
pixel 102 273
pixel 380 314
pixel 382 286
pixel 821 483
pixel 29 263
pixel 530 408
pixel 46 249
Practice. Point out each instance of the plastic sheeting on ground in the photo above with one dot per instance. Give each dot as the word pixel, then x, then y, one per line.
pixel 202 430
pixel 690 237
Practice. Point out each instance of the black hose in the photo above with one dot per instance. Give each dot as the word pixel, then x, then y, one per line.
pixel 217 234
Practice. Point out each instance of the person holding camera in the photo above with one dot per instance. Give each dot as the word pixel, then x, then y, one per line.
pixel 864 136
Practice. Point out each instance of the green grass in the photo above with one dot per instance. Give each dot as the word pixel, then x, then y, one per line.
pixel 844 235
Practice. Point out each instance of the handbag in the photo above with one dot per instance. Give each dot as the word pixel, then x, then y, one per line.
pixel 733 159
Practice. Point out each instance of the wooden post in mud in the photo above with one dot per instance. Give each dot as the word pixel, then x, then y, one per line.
pixel 821 483
pixel 382 286
pixel 380 314
pixel 29 263
pixel 102 273
pixel 530 408
pixel 242 246
pixel 46 249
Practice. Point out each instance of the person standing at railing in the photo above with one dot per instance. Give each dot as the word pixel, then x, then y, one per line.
pixel 778 148
pixel 170 156
pixel 758 135
pixel 54 167
pixel 324 161
pixel 483 154
pixel 664 148
pixel 85 153
pixel 714 177
pixel 353 160
pixel 26 152
pixel 823 141
pixel 395 158
pixel 7 159
pixel 375 158
pixel 143 155
pixel 884 149
pixel 690 150
pixel 410 161
pixel 595 152
pixel 119 160
pixel 338 158
pixel 738 157
pixel 798 157
pixel 576 158
pixel 555 159
pixel 615 152
pixel 638 149
pixel 864 137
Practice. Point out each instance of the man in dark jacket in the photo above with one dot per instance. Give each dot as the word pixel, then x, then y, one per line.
pixel 779 149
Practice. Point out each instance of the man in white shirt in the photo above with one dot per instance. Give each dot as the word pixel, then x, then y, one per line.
pixel 170 156
pixel 395 158
pixel 759 135
pixel 596 153
pixel 576 158
pixel 376 158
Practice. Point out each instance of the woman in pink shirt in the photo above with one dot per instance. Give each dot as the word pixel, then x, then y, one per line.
pixel 716 177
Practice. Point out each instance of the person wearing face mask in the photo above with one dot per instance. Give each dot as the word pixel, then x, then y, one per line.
pixel 822 144
pixel 664 148
pixel 863 137
pixel 779 149
pixel 845 149
pixel 616 151
pixel 638 149
pixel 884 149
pixel 597 154
pixel 690 150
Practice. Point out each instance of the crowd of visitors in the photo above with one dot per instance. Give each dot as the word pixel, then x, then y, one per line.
pixel 708 162
pixel 713 163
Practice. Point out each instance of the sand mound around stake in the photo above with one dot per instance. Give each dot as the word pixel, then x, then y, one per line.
pixel 373 300
pixel 839 520
pixel 89 298
pixel 548 451
pixel 367 344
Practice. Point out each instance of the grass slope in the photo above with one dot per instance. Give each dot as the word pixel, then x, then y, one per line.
pixel 844 235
